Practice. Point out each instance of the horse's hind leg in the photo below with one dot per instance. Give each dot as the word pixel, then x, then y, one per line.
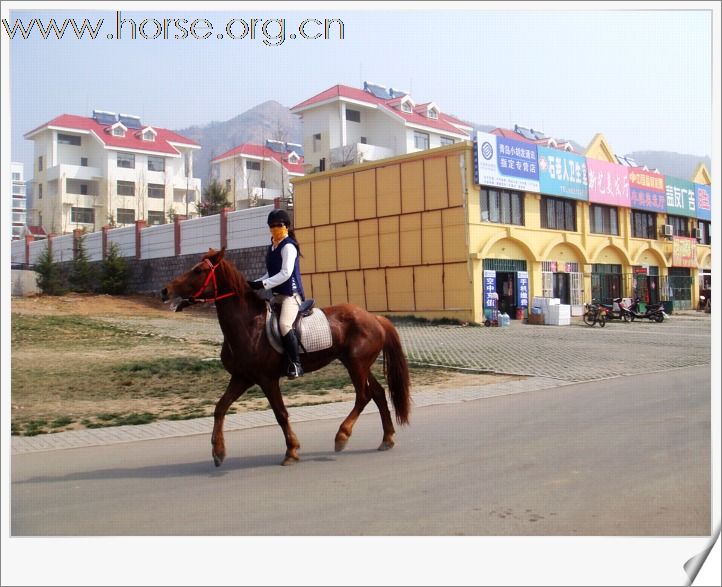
pixel 236 388
pixel 273 394
pixel 360 379
pixel 379 397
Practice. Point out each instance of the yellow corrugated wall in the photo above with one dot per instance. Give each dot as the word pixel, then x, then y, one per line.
pixel 388 236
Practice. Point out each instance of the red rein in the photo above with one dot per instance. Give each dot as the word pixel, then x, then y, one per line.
pixel 216 297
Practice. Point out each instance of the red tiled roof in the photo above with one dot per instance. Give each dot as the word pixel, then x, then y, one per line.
pixel 510 134
pixel 37 231
pixel 262 152
pixel 339 91
pixel 131 140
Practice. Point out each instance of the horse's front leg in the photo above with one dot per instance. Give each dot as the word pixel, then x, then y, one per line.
pixel 273 392
pixel 236 388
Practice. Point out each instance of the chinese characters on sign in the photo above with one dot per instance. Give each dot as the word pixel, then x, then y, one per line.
pixel 490 296
pixel 684 252
pixel 608 183
pixel 506 163
pixel 703 194
pixel 562 174
pixel 523 283
pixel 680 196
pixel 646 190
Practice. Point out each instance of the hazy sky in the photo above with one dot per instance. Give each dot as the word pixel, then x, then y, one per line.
pixel 641 77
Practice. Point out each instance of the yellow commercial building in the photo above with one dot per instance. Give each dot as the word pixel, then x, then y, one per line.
pixel 416 235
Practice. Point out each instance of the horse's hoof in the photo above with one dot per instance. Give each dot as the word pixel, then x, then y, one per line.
pixel 289 461
pixel 340 444
pixel 218 459
pixel 386 445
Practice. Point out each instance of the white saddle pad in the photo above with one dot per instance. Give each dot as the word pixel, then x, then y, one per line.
pixel 313 331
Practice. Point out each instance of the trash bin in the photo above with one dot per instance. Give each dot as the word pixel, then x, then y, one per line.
pixel 520 313
pixel 668 306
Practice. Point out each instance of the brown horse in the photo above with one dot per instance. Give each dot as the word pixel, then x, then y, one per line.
pixel 358 338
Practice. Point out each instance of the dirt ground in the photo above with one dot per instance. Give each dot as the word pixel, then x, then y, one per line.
pixel 154 331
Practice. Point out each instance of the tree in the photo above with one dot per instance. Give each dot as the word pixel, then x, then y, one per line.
pixel 114 273
pixel 50 277
pixel 82 273
pixel 215 198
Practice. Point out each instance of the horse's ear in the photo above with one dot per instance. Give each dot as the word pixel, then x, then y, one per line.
pixel 215 256
pixel 221 254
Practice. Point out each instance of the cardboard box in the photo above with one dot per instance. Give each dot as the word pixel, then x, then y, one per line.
pixel 537 319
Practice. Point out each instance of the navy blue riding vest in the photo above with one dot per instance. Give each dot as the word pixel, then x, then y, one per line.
pixel 274 262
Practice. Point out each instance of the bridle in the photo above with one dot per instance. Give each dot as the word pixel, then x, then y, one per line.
pixel 195 299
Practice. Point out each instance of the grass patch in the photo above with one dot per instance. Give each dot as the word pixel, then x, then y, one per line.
pixel 419 321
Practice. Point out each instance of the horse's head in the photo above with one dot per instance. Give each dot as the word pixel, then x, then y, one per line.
pixel 197 284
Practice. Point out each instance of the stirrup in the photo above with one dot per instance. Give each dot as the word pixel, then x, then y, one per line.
pixel 295 370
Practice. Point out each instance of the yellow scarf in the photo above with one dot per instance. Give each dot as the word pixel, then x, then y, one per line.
pixel 278 233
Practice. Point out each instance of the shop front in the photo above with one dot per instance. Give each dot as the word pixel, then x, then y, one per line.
pixel 506 287
pixel 646 284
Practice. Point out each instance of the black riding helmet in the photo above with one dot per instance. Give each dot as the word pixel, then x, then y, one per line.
pixel 279 216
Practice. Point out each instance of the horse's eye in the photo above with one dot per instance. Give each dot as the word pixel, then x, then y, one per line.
pixel 197 270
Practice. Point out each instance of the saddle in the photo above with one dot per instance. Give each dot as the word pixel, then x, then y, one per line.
pixel 311 326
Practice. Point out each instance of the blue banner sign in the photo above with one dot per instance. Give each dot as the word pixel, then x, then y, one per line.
pixel 562 174
pixel 506 163
pixel 490 295
pixel 523 284
pixel 703 195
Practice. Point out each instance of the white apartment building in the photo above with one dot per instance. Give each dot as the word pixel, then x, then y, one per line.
pixel 19 200
pixel 345 125
pixel 109 169
pixel 255 175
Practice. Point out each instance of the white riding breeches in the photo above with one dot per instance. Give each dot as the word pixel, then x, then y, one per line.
pixel 289 311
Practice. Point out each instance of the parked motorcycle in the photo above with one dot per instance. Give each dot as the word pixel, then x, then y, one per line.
pixel 619 311
pixel 653 312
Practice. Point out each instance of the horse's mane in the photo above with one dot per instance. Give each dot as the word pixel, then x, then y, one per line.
pixel 233 278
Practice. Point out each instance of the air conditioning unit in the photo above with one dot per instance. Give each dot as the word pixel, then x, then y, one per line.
pixel 667 230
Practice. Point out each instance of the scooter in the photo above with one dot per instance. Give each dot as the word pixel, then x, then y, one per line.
pixel 619 311
pixel 654 312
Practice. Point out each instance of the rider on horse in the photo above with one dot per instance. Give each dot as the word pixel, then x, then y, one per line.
pixel 283 278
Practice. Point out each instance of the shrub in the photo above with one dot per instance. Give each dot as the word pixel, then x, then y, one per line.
pixel 51 280
pixel 115 272
pixel 82 273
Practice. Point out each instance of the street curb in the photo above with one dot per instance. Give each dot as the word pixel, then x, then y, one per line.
pixel 173 428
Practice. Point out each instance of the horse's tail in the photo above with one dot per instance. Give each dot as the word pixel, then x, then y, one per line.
pixel 396 371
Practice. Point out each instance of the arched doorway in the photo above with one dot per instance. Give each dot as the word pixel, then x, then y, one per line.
pixel 506 278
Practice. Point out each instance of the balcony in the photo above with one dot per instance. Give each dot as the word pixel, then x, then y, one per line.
pixel 358 153
pixel 73 172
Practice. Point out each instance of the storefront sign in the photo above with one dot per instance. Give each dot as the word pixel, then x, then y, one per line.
pixel 608 183
pixel 562 174
pixel 684 252
pixel 505 163
pixel 523 284
pixel 646 190
pixel 703 196
pixel 490 295
pixel 681 199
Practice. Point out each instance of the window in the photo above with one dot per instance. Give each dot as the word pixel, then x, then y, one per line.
pixel 19 203
pixel 253 165
pixel 148 135
pixel 83 161
pixel 68 140
pixel 156 163
pixel 40 191
pixel 125 188
pixel 363 140
pixel 353 115
pixel 18 190
pixel 125 216
pixel 156 217
pixel 603 219
pixel 83 189
pixel 156 190
pixel 406 107
pixel 644 224
pixel 421 140
pixel 83 215
pixel 40 163
pixel 432 113
pixel 705 232
pixel 118 131
pixel 680 225
pixel 126 160
pixel 559 214
pixel 446 141
pixel 502 206
pixel 316 142
pixel 16 176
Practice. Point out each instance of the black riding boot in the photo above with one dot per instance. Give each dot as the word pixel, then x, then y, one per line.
pixel 290 345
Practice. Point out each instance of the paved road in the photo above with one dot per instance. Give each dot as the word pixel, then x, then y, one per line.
pixel 623 456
